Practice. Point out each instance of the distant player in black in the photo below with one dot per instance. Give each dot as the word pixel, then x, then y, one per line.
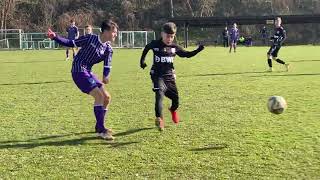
pixel 225 35
pixel 162 71
pixel 277 39
pixel 264 35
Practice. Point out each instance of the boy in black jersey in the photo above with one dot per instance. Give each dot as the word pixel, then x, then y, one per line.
pixel 162 71
pixel 277 39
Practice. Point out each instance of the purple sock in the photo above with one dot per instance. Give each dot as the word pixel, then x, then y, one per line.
pixel 99 112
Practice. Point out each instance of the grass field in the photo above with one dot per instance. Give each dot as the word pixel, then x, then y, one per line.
pixel 46 123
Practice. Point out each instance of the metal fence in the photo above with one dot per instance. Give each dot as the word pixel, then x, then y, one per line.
pixel 17 39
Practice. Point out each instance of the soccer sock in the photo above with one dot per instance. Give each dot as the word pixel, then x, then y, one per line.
pixel 105 112
pixel 175 103
pixel 99 113
pixel 270 62
pixel 158 104
pixel 280 61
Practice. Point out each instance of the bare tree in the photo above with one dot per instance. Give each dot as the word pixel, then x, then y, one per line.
pixel 7 7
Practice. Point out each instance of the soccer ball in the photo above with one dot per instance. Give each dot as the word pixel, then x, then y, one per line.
pixel 277 104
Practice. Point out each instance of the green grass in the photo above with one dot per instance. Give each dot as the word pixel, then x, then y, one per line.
pixel 46 123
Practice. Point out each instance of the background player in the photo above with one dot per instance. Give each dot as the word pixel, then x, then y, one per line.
pixel 264 35
pixel 94 49
pixel 162 71
pixel 225 35
pixel 234 37
pixel 277 40
pixel 88 29
pixel 73 33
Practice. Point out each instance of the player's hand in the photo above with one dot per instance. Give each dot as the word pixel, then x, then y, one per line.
pixel 144 65
pixel 105 80
pixel 51 34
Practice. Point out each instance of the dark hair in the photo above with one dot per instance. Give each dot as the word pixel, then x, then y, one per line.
pixel 169 28
pixel 108 25
pixel 88 26
pixel 72 21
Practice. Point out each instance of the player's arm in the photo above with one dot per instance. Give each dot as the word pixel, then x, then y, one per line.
pixel 77 33
pixel 107 67
pixel 144 54
pixel 284 36
pixel 238 35
pixel 82 41
pixel 188 54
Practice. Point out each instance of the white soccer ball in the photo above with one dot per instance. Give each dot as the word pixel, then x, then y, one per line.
pixel 277 104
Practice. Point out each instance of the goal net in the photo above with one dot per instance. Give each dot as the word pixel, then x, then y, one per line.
pixel 10 38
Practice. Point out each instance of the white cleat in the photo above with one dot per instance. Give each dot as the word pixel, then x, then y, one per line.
pixel 106 136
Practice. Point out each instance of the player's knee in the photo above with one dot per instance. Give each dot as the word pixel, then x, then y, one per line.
pixel 107 99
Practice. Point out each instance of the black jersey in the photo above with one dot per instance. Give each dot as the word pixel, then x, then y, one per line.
pixel 225 34
pixel 163 56
pixel 279 36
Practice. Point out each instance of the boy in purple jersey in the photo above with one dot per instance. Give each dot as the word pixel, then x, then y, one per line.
pixel 94 49
pixel 162 71
pixel 234 37
pixel 73 33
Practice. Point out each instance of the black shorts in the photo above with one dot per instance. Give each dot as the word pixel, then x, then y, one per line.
pixel 165 84
pixel 273 51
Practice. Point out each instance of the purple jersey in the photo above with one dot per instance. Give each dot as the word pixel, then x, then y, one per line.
pixel 92 52
pixel 72 32
pixel 234 34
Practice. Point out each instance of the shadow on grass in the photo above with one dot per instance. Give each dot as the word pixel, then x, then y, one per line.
pixel 46 138
pixel 50 141
pixel 210 147
pixel 26 62
pixel 283 75
pixel 224 74
pixel 132 131
pixel 312 60
pixel 33 83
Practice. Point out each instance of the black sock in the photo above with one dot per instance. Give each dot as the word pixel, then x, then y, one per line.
pixel 280 61
pixel 270 62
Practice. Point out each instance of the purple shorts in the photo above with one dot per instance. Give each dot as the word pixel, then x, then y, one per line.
pixel 86 81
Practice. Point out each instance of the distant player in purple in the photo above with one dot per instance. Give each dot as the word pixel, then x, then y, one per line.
pixel 73 34
pixel 234 37
pixel 94 49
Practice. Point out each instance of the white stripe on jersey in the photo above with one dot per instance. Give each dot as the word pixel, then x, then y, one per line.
pixel 92 52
